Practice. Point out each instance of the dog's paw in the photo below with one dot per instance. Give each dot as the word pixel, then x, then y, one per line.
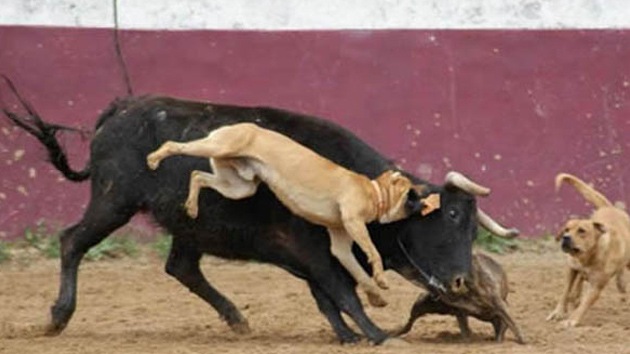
pixel 153 162
pixel 381 281
pixel 556 315
pixel 569 323
pixel 192 209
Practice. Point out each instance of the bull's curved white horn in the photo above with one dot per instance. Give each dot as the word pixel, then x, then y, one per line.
pixel 494 227
pixel 462 182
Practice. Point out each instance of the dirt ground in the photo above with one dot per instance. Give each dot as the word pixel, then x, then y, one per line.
pixel 132 306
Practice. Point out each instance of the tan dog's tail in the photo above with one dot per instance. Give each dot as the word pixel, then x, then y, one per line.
pixel 588 192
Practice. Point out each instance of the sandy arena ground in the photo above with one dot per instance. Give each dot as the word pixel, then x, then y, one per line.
pixel 132 306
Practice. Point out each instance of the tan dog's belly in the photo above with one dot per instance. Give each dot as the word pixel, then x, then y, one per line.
pixel 302 194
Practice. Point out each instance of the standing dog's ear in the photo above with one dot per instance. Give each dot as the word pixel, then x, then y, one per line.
pixel 600 227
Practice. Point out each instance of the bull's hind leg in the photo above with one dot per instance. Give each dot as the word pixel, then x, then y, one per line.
pixel 183 264
pixel 226 180
pixel 101 218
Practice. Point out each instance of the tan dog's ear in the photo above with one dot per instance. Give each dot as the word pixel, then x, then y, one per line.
pixel 430 203
pixel 600 227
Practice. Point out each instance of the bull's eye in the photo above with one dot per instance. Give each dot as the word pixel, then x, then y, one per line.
pixel 452 214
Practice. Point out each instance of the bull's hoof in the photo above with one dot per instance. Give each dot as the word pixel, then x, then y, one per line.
pixel 350 338
pixel 54 329
pixel 241 328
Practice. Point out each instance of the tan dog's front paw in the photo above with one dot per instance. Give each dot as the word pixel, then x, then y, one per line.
pixel 153 161
pixel 191 209
pixel 381 281
pixel 556 315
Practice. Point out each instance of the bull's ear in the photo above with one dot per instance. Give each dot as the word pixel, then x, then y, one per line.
pixel 430 203
pixel 599 227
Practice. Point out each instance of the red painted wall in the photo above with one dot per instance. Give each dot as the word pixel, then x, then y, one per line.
pixel 509 108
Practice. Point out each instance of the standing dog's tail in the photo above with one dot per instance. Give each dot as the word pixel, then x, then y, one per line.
pixel 588 192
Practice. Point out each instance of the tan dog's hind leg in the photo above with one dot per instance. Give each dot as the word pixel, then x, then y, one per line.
pixel 561 309
pixel 199 148
pixel 341 248
pixel 225 180
pixel 214 145
pixel 590 296
pixel 357 230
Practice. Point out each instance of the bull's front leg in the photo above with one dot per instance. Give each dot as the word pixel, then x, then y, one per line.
pixel 183 265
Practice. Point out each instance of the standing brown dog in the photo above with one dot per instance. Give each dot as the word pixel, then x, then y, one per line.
pixel 311 186
pixel 597 249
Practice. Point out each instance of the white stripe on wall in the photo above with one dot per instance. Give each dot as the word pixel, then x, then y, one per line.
pixel 320 14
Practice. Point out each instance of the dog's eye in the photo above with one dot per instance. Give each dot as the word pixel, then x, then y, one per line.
pixel 580 230
pixel 452 214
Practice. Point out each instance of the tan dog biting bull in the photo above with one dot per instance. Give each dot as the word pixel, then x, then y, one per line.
pixel 311 186
pixel 598 248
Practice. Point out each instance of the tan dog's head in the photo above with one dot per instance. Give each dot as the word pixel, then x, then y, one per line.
pixel 579 237
pixel 401 198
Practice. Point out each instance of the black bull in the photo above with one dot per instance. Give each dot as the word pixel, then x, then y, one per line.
pixel 434 250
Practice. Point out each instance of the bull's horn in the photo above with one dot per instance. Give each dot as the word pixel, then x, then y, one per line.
pixel 462 182
pixel 489 224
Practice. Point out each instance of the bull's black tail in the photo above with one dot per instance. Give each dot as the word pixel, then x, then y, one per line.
pixel 46 134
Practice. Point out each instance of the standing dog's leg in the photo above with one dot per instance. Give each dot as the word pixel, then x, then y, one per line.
pixel 561 309
pixel 341 247
pixel 575 294
pixel 591 295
